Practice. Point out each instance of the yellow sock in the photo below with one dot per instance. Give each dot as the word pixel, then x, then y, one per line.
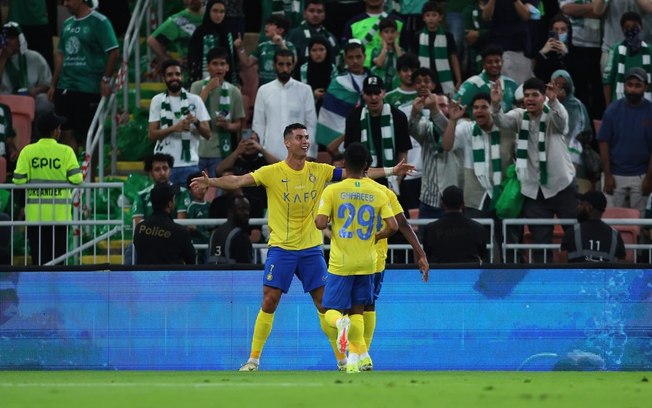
pixel 331 334
pixel 356 335
pixel 262 329
pixel 369 327
pixel 331 317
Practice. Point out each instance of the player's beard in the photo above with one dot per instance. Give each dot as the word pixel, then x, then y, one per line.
pixel 283 76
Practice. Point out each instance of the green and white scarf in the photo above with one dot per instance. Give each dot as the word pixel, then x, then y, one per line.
pixel 522 146
pixel 224 105
pixel 440 49
pixel 483 164
pixel 373 30
pixel 169 118
pixel 620 73
pixel 386 135
pixel 208 43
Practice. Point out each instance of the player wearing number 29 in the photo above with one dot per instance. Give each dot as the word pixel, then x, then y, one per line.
pixel 354 206
pixel 293 188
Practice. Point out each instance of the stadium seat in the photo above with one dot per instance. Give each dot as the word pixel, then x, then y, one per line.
pixel 557 237
pixel 629 233
pixel 22 114
pixel 3 169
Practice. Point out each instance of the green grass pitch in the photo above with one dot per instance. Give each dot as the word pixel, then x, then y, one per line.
pixel 315 389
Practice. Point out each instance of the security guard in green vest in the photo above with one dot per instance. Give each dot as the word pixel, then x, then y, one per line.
pixel 48 161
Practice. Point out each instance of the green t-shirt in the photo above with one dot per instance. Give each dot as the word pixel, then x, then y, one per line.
pixel 264 54
pixel 388 72
pixel 196 211
pixel 143 205
pixel 214 147
pixel 84 44
pixel 175 32
pixel 28 12
pixel 399 97
pixel 610 75
pixel 480 83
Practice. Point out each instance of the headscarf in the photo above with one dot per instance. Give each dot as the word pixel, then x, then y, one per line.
pixel 578 117
pixel 319 73
pixel 12 26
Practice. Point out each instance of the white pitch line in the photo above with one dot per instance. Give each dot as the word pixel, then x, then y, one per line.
pixel 161 385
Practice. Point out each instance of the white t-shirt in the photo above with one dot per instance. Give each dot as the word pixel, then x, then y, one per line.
pixel 176 143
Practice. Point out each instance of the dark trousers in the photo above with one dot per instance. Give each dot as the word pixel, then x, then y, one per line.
pixel 562 205
pixel 46 242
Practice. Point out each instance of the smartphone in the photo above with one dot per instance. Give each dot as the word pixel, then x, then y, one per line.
pixel 246 134
pixel 553 34
pixel 222 114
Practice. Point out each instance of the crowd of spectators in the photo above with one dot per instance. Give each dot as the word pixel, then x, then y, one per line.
pixel 460 88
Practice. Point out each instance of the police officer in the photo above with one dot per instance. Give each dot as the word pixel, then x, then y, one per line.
pixel 47 161
pixel 158 240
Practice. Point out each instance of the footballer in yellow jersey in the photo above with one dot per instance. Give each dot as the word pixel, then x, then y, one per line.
pixel 293 187
pixel 353 206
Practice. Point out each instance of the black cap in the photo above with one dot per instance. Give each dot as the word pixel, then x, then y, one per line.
pixel 11 29
pixel 373 84
pixel 638 73
pixel 47 123
pixel 596 198
pixel 162 194
pixel 452 197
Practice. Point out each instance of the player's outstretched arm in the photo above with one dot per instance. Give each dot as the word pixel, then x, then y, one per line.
pixel 401 169
pixel 406 230
pixel 229 182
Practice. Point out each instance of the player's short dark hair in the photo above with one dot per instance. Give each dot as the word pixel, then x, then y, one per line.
pixel 356 156
pixel 158 157
pixel 536 84
pixel 279 21
pixel 435 6
pixel 408 60
pixel 167 64
pixel 289 129
pixel 482 95
pixel 161 194
pixel 218 53
pixel 423 71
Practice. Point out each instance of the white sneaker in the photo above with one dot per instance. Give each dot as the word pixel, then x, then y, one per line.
pixel 249 366
pixel 341 366
pixel 343 325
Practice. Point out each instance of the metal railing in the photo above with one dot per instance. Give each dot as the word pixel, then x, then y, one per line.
pixel 108 105
pixel 91 232
pixel 527 249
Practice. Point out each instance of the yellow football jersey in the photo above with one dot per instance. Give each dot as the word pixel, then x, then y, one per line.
pixel 382 245
pixel 292 198
pixel 354 207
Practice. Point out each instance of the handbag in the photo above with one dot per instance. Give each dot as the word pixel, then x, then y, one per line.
pixel 510 202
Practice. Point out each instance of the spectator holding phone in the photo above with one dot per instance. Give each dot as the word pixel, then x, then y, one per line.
pixel 223 101
pixel 554 54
